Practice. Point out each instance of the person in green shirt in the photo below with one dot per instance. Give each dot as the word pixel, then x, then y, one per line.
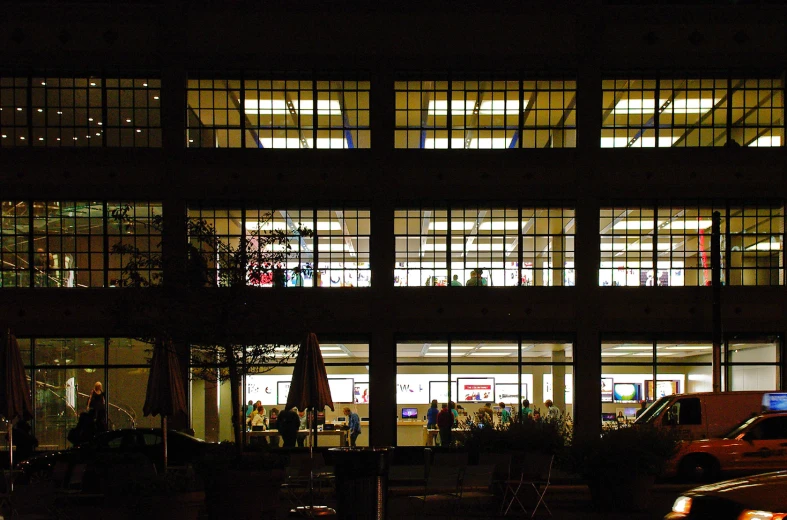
pixel 505 415
pixel 527 411
pixel 455 281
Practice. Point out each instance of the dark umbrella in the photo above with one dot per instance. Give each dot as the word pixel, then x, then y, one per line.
pixel 309 389
pixel 15 392
pixel 166 395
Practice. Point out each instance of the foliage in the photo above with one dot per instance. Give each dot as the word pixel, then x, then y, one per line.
pixel 639 450
pixel 211 260
pixel 545 436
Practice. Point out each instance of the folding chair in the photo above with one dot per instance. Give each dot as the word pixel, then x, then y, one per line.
pixel 535 470
pixel 442 489
pixel 476 488
pixel 296 480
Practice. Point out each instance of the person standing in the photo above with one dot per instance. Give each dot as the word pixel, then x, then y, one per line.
pixel 445 422
pixel 454 412
pixel 354 424
pixel 288 423
pixel 97 407
pixel 527 411
pixel 455 282
pixel 643 405
pixel 553 412
pixel 431 416
pixel 505 415
pixel 486 415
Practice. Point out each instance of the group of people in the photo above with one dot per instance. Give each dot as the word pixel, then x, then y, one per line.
pixel 553 413
pixel 292 424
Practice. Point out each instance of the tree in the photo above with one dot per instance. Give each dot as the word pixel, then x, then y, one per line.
pixel 263 255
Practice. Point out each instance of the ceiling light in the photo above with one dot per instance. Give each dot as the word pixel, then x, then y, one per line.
pixel 642 142
pixel 489 354
pixel 676 347
pixel 40 110
pixel 43 83
pixel 499 347
pixel 484 247
pixel 689 224
pixel 442 225
pixel 22 138
pixel 772 245
pixel 445 347
pixel 613 354
pixel 322 225
pixel 18 109
pixel 59 113
pixel 92 84
pixel 139 131
pixel 435 354
pixel 325 107
pixel 627 347
pixel 767 140
pixel 144 84
pixel 636 224
pixel 155 97
pixel 489 107
pixel 336 354
pixel 40 138
pixel 674 106
pixel 323 347
pixel 128 120
pixel 500 225
pixel 294 142
pixel 5 136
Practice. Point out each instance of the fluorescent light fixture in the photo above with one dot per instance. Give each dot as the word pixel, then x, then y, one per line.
pixel 441 143
pixel 675 106
pixel 631 347
pixel 338 354
pixel 642 142
pixel 636 224
pixel 325 107
pixel 689 224
pixel 767 140
pixel 294 142
pixel 457 143
pixel 686 348
pixel 434 247
pixel 322 225
pixel 484 247
pixel 436 354
pixel 500 225
pixel 322 347
pixel 334 247
pixel 442 225
pixel 499 347
pixel 489 107
pixel 612 354
pixel 489 354
pixel 445 347
pixel 635 246
pixel 772 245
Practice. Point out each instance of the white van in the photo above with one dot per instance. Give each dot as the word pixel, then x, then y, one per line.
pixel 702 415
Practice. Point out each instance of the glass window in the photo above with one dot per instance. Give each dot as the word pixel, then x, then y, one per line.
pixel 487 246
pixel 663 112
pixel 677 240
pixel 80 111
pixel 484 113
pixel 752 363
pixel 134 238
pixel 281 113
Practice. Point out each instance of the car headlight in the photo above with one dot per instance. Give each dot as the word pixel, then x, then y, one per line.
pixel 682 505
pixel 750 514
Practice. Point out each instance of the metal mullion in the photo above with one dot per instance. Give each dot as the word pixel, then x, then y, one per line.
pixel 450 120
pixel 656 114
pixel 729 104
pixel 315 248
pixel 519 366
pixel 521 130
pixel 105 241
pixel 449 254
pixel 727 239
pixel 448 373
pixel 105 110
pixel 315 120
pixel 29 115
pixel 520 244
pixel 31 245
pixel 242 117
pixel 655 253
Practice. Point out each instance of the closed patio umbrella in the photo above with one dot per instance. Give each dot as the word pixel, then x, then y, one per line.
pixel 14 392
pixel 309 386
pixel 166 394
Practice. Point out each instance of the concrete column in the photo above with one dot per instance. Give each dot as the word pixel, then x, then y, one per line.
pixel 557 248
pixel 559 378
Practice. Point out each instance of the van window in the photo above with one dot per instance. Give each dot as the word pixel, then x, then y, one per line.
pixel 653 410
pixel 684 412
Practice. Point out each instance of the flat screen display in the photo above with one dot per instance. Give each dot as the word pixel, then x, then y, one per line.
pixel 663 388
pixel 282 391
pixel 608 417
pixel 626 392
pixel 409 413
pixel 507 393
pixel 439 390
pixel 476 389
pixel 342 390
pixel 606 389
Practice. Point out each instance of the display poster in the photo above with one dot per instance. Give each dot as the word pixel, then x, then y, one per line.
pixel 439 390
pixel 342 390
pixel 414 388
pixel 361 393
pixel 282 391
pixel 663 388
pixel 568 391
pixel 606 389
pixel 507 393
pixel 478 389
pixel 262 388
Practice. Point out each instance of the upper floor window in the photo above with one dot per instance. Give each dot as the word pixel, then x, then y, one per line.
pixel 676 239
pixel 489 246
pixel 79 111
pixel 77 243
pixel 485 113
pixel 276 247
pixel 663 112
pixel 277 113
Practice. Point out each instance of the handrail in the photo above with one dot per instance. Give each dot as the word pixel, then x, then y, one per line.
pixel 131 415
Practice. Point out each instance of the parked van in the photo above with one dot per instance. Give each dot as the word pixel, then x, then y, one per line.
pixel 702 415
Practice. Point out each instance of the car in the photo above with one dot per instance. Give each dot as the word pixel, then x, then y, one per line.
pixel 758 497
pixel 182 449
pixel 757 444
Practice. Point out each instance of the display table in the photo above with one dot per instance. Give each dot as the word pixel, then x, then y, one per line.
pixel 408 432
pixel 341 435
pixel 430 435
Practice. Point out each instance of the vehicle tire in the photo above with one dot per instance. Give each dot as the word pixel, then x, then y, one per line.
pixel 699 468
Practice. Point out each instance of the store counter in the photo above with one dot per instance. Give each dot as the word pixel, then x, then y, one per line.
pixel 408 433
pixel 429 436
pixel 340 435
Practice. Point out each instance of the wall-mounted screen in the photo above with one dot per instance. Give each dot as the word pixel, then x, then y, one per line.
pixel 663 388
pixel 476 389
pixel 626 392
pixel 282 391
pixel 608 416
pixel 439 390
pixel 342 390
pixel 409 413
pixel 361 393
pixel 507 393
pixel 606 389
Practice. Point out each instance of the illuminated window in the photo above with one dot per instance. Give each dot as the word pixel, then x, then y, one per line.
pixel 676 239
pixel 291 113
pixel 651 112
pixel 485 113
pixel 484 246
pixel 281 246
pixel 80 111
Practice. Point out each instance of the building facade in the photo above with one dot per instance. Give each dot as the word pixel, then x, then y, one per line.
pixel 488 189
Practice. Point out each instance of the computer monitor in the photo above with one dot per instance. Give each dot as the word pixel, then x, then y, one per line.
pixel 320 418
pixel 409 413
pixel 608 417
pixel 340 419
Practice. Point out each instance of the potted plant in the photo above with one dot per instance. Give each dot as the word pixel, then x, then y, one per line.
pixel 622 465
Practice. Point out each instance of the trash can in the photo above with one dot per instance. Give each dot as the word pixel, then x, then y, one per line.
pixel 361 481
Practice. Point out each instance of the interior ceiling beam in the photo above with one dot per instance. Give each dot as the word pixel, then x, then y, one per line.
pixel 471 238
pixel 236 103
pixel 348 136
pixel 740 120
pixel 425 95
pixel 650 123
pixel 566 113
pixel 472 125
pixel 617 98
pixel 427 217
pixel 348 239
pixel 295 119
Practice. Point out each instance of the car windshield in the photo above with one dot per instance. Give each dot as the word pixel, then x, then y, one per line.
pixel 653 411
pixel 740 428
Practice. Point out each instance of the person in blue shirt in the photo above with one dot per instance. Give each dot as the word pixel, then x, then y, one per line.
pixel 431 416
pixel 354 425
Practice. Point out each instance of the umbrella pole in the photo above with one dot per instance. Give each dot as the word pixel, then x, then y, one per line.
pixel 164 432
pixel 10 446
